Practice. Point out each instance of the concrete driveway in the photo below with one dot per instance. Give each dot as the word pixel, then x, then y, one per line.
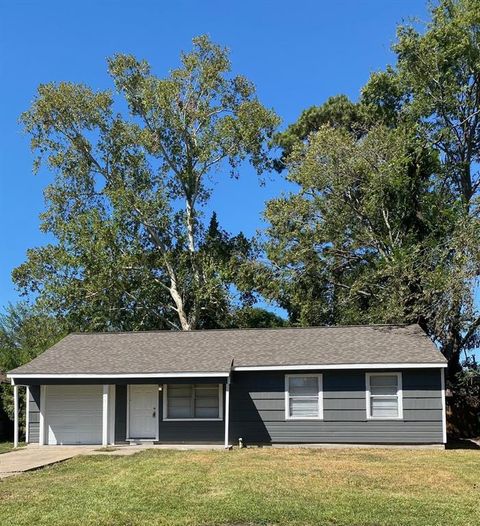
pixel 33 457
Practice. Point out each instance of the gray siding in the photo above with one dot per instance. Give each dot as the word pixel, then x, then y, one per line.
pixel 208 432
pixel 257 413
pixel 258 410
pixel 34 414
pixel 169 431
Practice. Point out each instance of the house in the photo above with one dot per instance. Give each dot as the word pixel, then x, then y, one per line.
pixel 351 384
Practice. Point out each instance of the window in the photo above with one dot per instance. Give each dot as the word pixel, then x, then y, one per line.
pixel 192 402
pixel 303 396
pixel 384 395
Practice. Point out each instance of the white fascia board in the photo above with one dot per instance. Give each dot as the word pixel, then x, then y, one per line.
pixel 341 366
pixel 122 375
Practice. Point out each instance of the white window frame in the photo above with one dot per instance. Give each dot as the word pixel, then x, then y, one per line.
pixel 165 408
pixel 319 377
pixel 399 396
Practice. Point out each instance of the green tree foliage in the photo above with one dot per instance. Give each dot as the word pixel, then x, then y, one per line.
pixel 384 226
pixel 256 318
pixel 338 112
pixel 24 334
pixel 440 73
pixel 126 203
pixel 371 236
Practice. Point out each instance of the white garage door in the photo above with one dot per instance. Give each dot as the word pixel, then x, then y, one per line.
pixel 74 414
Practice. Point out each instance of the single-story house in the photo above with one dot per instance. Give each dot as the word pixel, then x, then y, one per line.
pixel 352 384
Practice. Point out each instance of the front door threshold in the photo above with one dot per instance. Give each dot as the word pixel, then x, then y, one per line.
pixel 141 441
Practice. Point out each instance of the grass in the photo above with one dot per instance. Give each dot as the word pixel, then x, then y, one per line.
pixel 5 447
pixel 371 487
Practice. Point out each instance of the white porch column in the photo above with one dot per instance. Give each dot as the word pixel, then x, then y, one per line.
pixel 105 416
pixel 227 412
pixel 15 416
pixel 27 414
pixel 43 405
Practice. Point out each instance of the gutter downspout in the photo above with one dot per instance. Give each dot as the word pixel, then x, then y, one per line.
pixel 444 408
pixel 227 408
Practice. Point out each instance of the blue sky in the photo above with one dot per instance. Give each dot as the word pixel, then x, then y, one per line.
pixel 297 53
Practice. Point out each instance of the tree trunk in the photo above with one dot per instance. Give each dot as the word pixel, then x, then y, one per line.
pixel 451 350
pixel 185 323
pixel 454 366
pixel 180 308
pixel 190 225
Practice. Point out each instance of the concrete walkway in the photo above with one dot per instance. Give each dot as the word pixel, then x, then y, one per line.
pixel 33 457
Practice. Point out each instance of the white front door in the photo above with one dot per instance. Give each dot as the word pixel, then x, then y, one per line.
pixel 143 409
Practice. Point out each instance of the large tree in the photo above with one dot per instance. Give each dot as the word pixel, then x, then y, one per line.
pixel 371 236
pixel 125 206
pixel 436 83
pixel 25 332
pixel 384 226
pixel 439 70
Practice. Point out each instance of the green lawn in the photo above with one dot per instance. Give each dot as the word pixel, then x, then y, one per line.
pixel 8 446
pixel 251 487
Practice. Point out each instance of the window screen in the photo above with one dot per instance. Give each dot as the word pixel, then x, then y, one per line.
pixel 384 396
pixel 303 396
pixel 193 401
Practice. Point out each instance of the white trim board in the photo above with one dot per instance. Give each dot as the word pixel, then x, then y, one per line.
pixel 105 414
pixel 43 409
pixel 340 366
pixel 111 413
pixel 27 414
pixel 227 413
pixel 16 423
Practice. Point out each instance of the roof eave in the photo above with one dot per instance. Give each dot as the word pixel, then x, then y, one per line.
pixel 178 374
pixel 224 374
pixel 341 366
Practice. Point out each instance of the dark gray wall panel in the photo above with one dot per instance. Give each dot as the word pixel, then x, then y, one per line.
pixel 193 432
pixel 120 413
pixel 34 414
pixel 258 410
pixel 421 379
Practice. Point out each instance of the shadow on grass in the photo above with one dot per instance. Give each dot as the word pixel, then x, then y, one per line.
pixel 463 443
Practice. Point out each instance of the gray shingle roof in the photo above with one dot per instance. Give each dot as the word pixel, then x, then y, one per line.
pixel 214 351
